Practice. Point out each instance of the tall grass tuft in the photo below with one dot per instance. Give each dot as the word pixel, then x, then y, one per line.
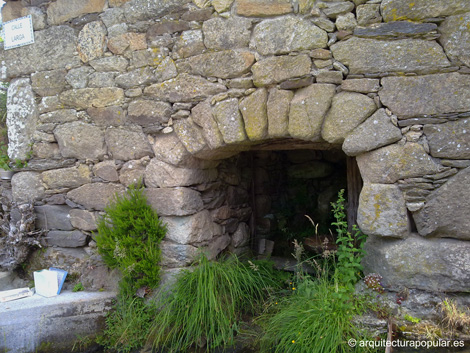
pixel 205 304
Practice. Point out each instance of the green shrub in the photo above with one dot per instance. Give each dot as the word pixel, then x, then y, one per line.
pixel 205 304
pixel 129 238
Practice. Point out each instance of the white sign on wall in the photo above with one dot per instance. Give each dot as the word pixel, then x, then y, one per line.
pixel 18 32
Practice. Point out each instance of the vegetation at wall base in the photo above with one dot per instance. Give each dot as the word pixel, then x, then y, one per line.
pixel 129 237
pixel 205 304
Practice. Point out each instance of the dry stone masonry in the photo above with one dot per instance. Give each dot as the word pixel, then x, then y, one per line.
pixel 172 93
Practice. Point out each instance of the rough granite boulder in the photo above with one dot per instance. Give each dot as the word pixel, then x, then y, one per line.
pixel 377 131
pixel 449 140
pixel 348 110
pixel 147 113
pixel 382 211
pixel 262 8
pixel 49 83
pixel 95 196
pixel 65 239
pixel 91 42
pixel 177 255
pixel 278 112
pixel 402 10
pixel 83 219
pixel 254 114
pixel 202 116
pixel 229 121
pixel 178 201
pixel 127 143
pixel 308 109
pixel 92 97
pixel 287 34
pixel 27 187
pixel 66 177
pixel 190 135
pixel 53 217
pixel 137 10
pixel 276 69
pixel 80 140
pixel 229 33
pixel 445 213
pixel 61 11
pixel 455 38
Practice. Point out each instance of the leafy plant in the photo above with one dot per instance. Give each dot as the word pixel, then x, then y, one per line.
pixel 4 159
pixel 205 304
pixel 412 319
pixel 129 238
pixel 78 287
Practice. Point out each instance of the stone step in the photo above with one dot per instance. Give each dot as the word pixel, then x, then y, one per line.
pixel 52 324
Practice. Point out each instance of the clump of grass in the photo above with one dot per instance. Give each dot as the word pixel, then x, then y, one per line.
pixel 205 304
pixel 454 318
pixel 78 287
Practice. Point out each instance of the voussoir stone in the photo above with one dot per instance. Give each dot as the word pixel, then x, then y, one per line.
pixel 388 164
pixel 95 196
pixel 404 55
pixel 223 64
pixel 191 229
pixel 438 265
pixel 276 69
pixel 127 143
pixel 286 34
pixel 445 212
pixel 61 11
pixel 67 177
pixel 426 95
pixel 382 211
pixel 80 140
pixel 178 201
pixel 83 219
pixel 403 10
pixel 92 97
pixel 190 135
pixel 348 110
pixel 53 217
pixel 164 175
pixel 226 34
pixel 184 88
pixel 91 41
pixel 449 140
pixel 65 239
pixel 261 8
pixel 254 112
pixel 278 112
pixel 455 38
pixel 229 120
pixel 307 110
pixel 54 46
pixel 202 115
pixel 377 131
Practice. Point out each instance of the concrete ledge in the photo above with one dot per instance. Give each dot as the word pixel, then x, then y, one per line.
pixel 39 324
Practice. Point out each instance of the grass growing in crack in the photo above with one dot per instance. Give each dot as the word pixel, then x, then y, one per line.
pixel 205 304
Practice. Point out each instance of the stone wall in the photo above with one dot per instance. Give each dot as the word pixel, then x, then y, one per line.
pixel 170 92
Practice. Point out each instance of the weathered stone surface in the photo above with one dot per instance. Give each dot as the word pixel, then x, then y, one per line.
pixel 65 239
pixel 402 10
pixel 307 110
pixel 136 10
pixel 426 95
pixel 223 64
pixel 177 255
pixel 78 78
pixel 221 5
pixel 241 237
pixel 115 3
pixel 368 14
pixel 167 27
pixel 394 30
pixel 80 140
pixel 455 38
pixel 67 177
pixel 324 23
pixel 147 113
pixel 445 213
pixel 130 41
pixel 12 10
pixel 174 201
pixel 229 121
pixel 48 83
pixel 279 68
pixel 137 77
pixel 254 112
pixel 46 150
pixel 346 22
pixel 95 196
pixel 286 34
pixel 190 135
pixel 92 97
pixel 112 16
pixel 404 55
pixel 377 131
pixel 278 112
pixel 147 57
pixel 189 43
pixel 53 217
pixel 382 211
pixel 59 116
pixel 91 42
pixel 192 229
pixel 106 170
pixel 388 164
pixel 61 11
pixel 132 172
pixel 82 219
pixel 27 187
pixel 54 45
pixel 169 149
pixel 202 116
pixel 107 116
pixel 438 265
pixel 449 140
pixel 334 9
pixel 127 143
pixel 22 116
pixel 110 63
pixel 348 110
pixel 361 85
pixel 226 34
pixel 335 77
pixel 49 104
pixel 102 79
pixel 184 88
pixel 216 246
pixel 262 8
